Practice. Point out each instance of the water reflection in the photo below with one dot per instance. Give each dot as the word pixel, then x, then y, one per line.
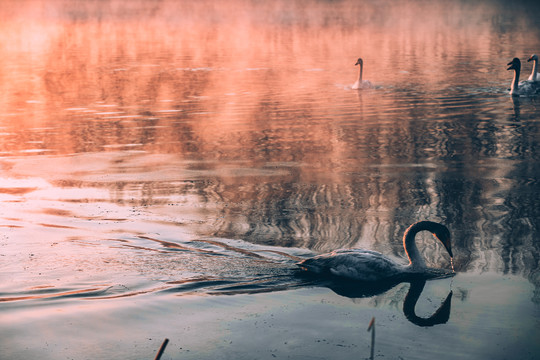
pixel 440 316
pixel 242 271
pixel 159 156
pixel 245 116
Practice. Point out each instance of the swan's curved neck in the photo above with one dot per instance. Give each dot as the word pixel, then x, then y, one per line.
pixel 515 83
pixel 534 70
pixel 409 243
pixel 360 70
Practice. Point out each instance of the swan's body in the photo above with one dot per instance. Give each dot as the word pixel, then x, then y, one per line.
pixel 361 84
pixel 367 265
pixel 523 88
pixel 535 75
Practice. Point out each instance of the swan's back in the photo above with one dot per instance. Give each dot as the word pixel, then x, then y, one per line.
pixel 363 265
pixel 528 88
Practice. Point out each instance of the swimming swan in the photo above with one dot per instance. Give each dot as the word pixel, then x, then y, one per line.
pixel 361 84
pixel 525 87
pixel 535 75
pixel 366 265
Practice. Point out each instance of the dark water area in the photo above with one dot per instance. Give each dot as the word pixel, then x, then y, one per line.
pixel 164 166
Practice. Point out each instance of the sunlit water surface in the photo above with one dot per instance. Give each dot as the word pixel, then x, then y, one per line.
pixel 166 164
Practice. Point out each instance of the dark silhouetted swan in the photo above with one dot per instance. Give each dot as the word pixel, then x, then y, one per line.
pixel 361 84
pixel 535 75
pixel 372 266
pixel 524 88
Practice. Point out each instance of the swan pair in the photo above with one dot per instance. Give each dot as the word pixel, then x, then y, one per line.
pixel 372 266
pixel 525 87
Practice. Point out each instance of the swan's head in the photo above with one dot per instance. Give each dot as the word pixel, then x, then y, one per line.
pixel 442 233
pixel 533 58
pixel 359 62
pixel 515 64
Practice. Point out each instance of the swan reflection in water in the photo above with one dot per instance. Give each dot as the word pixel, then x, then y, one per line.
pixel 516 106
pixel 362 273
pixel 362 290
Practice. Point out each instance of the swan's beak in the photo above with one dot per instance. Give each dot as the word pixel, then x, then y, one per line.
pixel 530 59
pixel 515 64
pixel 447 244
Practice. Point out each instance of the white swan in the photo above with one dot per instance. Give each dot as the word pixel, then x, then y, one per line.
pixel 523 88
pixel 361 84
pixel 366 265
pixel 535 75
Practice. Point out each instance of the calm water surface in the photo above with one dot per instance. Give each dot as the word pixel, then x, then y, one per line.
pixel 165 164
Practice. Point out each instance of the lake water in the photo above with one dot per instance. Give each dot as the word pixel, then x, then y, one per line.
pixel 164 165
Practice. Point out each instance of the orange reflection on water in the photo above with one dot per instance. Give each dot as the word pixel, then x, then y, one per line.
pixel 137 99
pixel 102 76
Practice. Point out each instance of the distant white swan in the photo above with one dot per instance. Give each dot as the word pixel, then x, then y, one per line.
pixel 366 265
pixel 523 88
pixel 535 75
pixel 361 84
